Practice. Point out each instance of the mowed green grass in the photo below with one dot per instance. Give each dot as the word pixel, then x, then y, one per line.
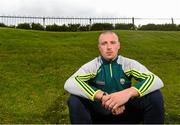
pixel 35 64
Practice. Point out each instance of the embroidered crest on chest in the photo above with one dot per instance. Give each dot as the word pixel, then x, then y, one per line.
pixel 122 81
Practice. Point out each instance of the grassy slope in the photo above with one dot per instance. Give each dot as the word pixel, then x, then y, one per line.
pixel 34 66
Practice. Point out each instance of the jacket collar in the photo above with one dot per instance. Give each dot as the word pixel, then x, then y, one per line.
pixel 109 61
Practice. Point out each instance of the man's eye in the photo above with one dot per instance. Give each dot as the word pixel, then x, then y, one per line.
pixel 103 43
pixel 113 42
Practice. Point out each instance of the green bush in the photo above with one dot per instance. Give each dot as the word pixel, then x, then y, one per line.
pixel 63 28
pixel 148 27
pixel 121 26
pixel 178 27
pixel 24 26
pixel 84 28
pixel 102 26
pixel 160 27
pixel 2 25
pixel 53 27
pixel 37 26
pixel 12 26
pixel 170 27
pixel 56 27
pixel 73 27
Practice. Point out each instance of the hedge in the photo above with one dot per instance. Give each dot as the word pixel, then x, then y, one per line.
pixel 94 27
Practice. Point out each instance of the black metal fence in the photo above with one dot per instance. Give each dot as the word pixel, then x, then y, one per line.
pixel 15 20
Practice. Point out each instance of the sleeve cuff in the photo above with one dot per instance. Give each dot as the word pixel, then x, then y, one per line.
pixel 137 91
pixel 94 95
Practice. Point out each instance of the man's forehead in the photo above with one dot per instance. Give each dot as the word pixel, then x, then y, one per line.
pixel 108 36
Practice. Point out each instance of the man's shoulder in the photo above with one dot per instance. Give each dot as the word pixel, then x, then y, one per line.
pixel 125 60
pixel 96 62
pixel 128 64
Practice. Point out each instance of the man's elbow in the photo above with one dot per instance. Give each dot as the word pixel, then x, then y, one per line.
pixel 160 82
pixel 67 85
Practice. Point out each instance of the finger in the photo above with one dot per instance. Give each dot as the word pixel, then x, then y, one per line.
pixel 111 105
pixel 123 107
pixel 116 111
pixel 119 110
pixel 105 99
pixel 107 103
pixel 115 106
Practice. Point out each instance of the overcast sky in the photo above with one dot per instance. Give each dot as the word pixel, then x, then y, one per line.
pixel 92 8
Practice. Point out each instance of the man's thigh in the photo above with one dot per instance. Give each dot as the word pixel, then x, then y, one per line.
pixel 149 108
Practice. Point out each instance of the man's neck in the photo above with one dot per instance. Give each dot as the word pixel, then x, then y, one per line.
pixel 108 60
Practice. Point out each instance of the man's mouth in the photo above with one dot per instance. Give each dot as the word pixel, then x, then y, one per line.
pixel 109 53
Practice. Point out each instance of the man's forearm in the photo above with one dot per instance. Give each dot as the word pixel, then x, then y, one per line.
pixel 132 92
pixel 99 95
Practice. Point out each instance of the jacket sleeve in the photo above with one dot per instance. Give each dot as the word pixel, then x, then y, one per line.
pixel 77 84
pixel 147 81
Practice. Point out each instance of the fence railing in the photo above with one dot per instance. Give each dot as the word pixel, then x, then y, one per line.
pixel 15 20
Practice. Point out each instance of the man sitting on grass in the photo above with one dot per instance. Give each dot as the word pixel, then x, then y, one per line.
pixel 102 91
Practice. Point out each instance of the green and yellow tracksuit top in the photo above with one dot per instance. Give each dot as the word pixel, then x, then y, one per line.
pixel 111 76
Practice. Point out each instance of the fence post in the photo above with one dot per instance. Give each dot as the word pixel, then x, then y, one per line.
pixel 44 23
pixel 172 20
pixel 133 23
pixel 90 23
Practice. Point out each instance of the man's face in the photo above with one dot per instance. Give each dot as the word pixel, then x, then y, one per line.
pixel 108 46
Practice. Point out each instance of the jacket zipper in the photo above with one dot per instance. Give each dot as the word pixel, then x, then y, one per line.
pixel 111 70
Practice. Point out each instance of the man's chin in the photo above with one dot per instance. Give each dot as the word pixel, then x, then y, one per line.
pixel 108 58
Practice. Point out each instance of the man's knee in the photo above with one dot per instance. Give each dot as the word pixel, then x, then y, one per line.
pixel 154 109
pixel 73 100
pixel 156 99
pixel 76 103
pixel 78 110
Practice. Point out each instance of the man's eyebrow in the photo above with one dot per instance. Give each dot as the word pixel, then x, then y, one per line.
pixel 113 41
pixel 103 42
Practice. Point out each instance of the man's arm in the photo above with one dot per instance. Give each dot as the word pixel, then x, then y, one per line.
pixel 147 81
pixel 77 84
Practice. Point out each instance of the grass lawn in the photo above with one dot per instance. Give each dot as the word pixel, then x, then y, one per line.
pixel 35 64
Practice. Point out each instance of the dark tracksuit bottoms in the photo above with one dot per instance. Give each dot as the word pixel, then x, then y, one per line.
pixel 148 109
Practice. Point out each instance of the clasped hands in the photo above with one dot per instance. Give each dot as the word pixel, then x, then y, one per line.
pixel 115 102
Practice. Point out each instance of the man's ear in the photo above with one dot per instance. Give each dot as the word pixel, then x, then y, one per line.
pixel 119 46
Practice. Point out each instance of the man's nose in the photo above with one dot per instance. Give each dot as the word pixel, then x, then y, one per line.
pixel 109 46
